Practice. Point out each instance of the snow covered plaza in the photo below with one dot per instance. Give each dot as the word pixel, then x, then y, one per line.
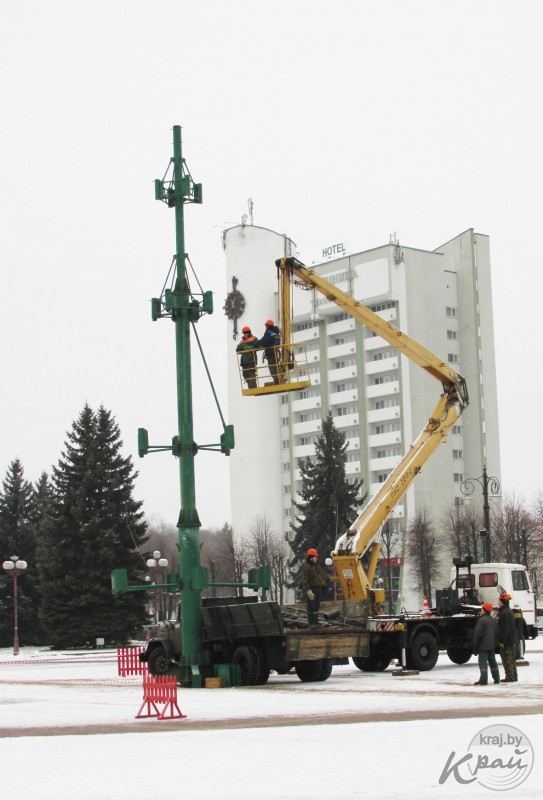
pixel 68 732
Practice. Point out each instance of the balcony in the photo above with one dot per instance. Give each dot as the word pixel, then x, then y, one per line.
pixel 384 464
pixel 304 428
pixel 383 439
pixel 383 414
pixel 347 349
pixel 340 398
pixel 346 421
pixel 341 374
pixel 340 327
pixel 306 403
pixel 382 365
pixel 302 451
pixel 382 389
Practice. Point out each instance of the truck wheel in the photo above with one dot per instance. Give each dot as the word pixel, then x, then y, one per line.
pixel 459 655
pixel 327 665
pixel 249 662
pixel 375 662
pixel 264 671
pixel 424 652
pixel 311 671
pixel 158 662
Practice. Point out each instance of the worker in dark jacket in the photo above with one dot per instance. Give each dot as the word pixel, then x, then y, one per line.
pixel 271 342
pixel 312 581
pixel 247 348
pixel 484 645
pixel 507 638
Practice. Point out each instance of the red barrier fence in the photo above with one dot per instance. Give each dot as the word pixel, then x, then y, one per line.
pixel 161 689
pixel 128 661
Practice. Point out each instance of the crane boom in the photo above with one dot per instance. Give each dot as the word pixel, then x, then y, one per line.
pixel 356 552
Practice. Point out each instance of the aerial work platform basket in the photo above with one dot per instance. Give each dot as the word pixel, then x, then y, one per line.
pixel 288 373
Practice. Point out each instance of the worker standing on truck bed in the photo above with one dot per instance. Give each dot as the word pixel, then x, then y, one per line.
pixel 484 645
pixel 312 581
pixel 507 638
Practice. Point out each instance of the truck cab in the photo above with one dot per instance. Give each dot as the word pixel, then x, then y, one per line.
pixel 485 582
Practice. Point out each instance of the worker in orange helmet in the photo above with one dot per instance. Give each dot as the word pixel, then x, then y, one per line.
pixel 484 645
pixel 247 348
pixel 312 581
pixel 271 341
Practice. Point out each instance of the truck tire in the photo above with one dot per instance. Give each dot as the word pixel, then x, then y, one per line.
pixel 459 655
pixel 249 662
pixel 375 662
pixel 264 671
pixel 318 669
pixel 159 662
pixel 424 652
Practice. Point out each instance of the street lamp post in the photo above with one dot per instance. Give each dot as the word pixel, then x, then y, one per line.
pixel 486 482
pixel 156 563
pixel 15 567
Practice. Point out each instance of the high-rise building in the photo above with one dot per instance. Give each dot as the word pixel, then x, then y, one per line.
pixel 378 398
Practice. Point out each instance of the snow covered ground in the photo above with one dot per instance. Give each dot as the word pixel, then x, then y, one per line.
pixel 360 735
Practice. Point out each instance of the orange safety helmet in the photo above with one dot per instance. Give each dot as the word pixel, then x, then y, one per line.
pixel 269 323
pixel 505 597
pixel 312 552
pixel 246 329
pixel 488 607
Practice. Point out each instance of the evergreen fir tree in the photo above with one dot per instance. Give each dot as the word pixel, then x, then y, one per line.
pixel 329 503
pixel 94 525
pixel 18 538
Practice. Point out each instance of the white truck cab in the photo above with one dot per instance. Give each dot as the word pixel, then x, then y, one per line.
pixel 487 581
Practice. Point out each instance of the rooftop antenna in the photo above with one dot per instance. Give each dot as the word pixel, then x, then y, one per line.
pixel 250 204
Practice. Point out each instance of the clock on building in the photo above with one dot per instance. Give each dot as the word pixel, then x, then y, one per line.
pixel 234 305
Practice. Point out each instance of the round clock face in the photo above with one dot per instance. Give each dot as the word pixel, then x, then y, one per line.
pixel 234 305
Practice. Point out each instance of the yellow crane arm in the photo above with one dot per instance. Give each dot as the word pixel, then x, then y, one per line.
pixel 360 541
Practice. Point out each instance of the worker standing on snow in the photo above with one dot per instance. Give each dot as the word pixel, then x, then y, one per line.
pixel 271 341
pixel 484 645
pixel 247 348
pixel 312 581
pixel 507 638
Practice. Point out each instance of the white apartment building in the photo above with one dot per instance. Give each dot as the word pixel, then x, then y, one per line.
pixel 378 398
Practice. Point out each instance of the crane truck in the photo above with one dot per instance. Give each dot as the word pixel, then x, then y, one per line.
pixel 259 636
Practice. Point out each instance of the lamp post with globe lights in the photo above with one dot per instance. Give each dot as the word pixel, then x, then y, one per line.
pixel 15 567
pixel 158 565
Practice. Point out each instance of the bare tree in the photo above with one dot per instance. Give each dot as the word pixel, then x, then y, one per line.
pixel 217 553
pixel 460 527
pixel 264 546
pixel 514 532
pixel 391 536
pixel 422 549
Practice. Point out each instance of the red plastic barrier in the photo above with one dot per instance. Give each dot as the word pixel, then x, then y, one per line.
pixel 128 662
pixel 160 689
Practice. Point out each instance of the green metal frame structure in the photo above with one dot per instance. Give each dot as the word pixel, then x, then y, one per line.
pixel 185 307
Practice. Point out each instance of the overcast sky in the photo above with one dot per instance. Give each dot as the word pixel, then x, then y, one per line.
pixel 343 121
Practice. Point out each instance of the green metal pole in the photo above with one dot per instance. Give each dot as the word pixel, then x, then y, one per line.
pixel 185 311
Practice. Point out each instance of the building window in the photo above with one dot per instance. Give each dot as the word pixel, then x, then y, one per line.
pixel 353 456
pixel 287 512
pixel 284 420
pixel 305 394
pixel 345 387
pixel 388 402
pixel 286 489
pixel 309 416
pixel 346 362
pixel 453 358
pixel 382 306
pixel 284 400
pixel 382 476
pixel 307 440
pixel 284 444
pixel 457 429
pixel 305 326
pixel 458 477
pixel 452 335
pixel 386 378
pixel 286 466
pixel 382 354
pixel 451 311
pixel 458 454
pixel 341 317
pixel 387 427
pixel 390 451
pixel 343 411
pixel 351 433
